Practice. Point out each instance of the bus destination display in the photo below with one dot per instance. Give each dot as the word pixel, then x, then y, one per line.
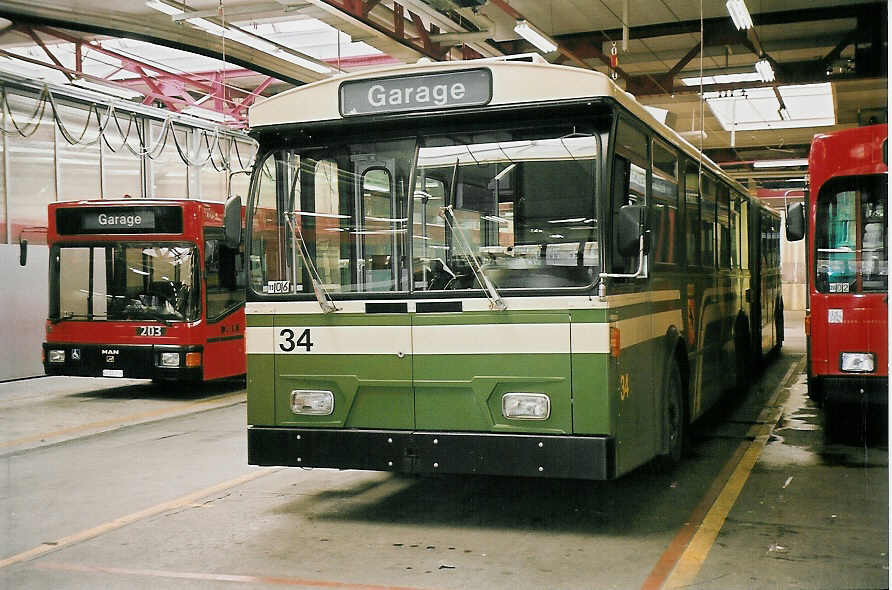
pixel 416 93
pixel 120 220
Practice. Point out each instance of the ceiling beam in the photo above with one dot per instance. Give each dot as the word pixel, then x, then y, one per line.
pixel 783 17
pixel 160 30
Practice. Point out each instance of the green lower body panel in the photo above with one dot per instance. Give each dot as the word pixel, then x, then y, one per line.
pixel 530 455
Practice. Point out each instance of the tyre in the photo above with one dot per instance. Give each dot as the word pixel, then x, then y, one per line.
pixel 673 421
pixel 779 324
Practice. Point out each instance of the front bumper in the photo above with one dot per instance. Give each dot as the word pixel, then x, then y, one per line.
pixel 531 455
pixel 852 389
pixel 132 362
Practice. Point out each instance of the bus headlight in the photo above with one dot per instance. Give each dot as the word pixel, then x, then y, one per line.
pixel 857 362
pixel 56 356
pixel 526 406
pixel 309 402
pixel 170 359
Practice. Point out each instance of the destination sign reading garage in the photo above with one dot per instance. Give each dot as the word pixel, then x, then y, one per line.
pixel 419 92
pixel 119 220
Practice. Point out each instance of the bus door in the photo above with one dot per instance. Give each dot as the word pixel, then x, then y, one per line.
pixel 224 291
pixel 471 361
pixel 637 388
pixel 362 353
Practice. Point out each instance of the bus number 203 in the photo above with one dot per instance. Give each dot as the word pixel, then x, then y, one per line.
pixel 150 331
pixel 289 341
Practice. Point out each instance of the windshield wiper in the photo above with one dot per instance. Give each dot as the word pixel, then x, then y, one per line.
pixel 322 296
pixel 495 300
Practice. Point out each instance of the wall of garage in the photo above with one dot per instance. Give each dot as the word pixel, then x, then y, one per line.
pixel 24 311
pixel 60 145
pixel 793 271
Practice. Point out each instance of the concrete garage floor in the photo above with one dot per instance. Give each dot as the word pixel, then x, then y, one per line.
pixel 110 484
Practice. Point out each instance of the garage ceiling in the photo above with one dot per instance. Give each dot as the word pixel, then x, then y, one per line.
pixel 841 44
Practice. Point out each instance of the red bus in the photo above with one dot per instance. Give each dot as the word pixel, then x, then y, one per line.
pixel 846 322
pixel 144 289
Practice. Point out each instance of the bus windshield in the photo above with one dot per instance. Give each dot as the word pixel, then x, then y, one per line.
pixel 429 213
pixel 125 281
pixel 850 236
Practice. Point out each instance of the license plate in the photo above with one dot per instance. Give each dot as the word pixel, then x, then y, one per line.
pixel 112 372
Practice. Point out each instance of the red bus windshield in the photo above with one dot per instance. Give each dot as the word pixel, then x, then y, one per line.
pixel 850 235
pixel 125 281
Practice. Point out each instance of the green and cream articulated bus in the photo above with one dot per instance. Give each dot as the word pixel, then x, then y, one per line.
pixel 493 267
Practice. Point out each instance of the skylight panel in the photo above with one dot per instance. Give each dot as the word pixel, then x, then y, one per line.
pixel 753 109
pixel 811 102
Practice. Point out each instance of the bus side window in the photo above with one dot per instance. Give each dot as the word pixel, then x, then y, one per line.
pixel 692 215
pixel 665 226
pixel 708 222
pixel 724 226
pixel 735 228
pixel 744 233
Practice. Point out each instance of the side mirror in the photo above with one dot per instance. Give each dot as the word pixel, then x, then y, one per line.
pixel 23 252
pixel 232 222
pixel 232 175
pixel 630 228
pixel 795 221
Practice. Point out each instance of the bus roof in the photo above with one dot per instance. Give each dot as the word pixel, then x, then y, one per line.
pixel 850 152
pixel 511 84
pixel 134 203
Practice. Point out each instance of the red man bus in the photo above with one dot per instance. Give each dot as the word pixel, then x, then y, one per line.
pixel 144 289
pixel 846 323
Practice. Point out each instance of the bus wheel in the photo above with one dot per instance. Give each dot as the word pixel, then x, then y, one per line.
pixel 673 421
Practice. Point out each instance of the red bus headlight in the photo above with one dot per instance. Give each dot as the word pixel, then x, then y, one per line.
pixel 856 362
pixel 170 359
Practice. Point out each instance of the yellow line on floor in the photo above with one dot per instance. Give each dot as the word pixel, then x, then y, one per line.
pixel 212 403
pixel 695 554
pixel 123 521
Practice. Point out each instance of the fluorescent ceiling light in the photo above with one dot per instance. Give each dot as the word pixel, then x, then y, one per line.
pixel 206 25
pixel 790 163
pixel 107 89
pixel 765 71
pixel 162 7
pixel 535 36
pixel 251 41
pixel 258 43
pixel 208 114
pixel 722 79
pixel 296 59
pixel 739 14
